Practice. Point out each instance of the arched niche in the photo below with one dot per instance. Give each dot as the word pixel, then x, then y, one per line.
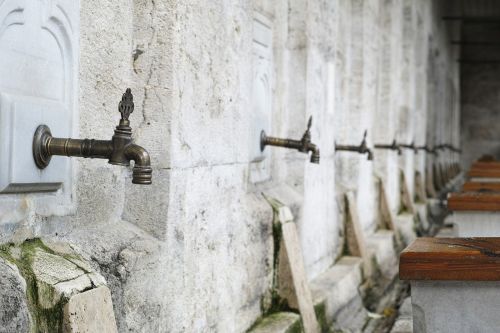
pixel 38 85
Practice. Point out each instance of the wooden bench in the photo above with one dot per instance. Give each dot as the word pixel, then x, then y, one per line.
pixel 490 175
pixel 455 284
pixel 481 187
pixel 475 214
pixel 485 165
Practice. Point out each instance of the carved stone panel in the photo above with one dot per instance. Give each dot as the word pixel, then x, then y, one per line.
pixel 38 85
pixel 262 99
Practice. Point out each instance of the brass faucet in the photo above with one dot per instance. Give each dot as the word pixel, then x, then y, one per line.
pixel 362 148
pixel 120 150
pixel 450 147
pixel 303 145
pixel 392 146
pixel 427 149
pixel 409 146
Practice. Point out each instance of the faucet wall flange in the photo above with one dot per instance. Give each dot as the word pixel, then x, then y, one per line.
pixel 40 140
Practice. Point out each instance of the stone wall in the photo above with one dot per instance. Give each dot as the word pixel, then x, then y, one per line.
pixel 193 252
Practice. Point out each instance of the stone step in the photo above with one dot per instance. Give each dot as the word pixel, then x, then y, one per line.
pixel 336 297
pixel 66 293
pixel 404 322
pixel 381 245
pixel 405 223
pixel 280 322
pixel 422 210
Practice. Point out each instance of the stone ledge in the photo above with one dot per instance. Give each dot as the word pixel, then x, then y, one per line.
pixel 280 322
pixel 423 213
pixel 53 275
pixel 404 321
pixel 14 315
pixel 405 224
pixel 336 297
pixel 90 311
pixel 381 245
pixel 435 207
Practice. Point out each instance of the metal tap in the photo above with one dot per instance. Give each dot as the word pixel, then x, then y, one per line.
pixel 451 148
pixel 409 146
pixel 392 146
pixel 362 148
pixel 303 145
pixel 427 149
pixel 120 150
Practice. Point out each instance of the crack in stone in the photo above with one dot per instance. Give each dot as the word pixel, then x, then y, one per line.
pixel 151 66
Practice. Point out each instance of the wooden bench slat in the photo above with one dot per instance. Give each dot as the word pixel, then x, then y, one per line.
pixel 484 173
pixel 474 201
pixel 480 186
pixel 485 165
pixel 451 259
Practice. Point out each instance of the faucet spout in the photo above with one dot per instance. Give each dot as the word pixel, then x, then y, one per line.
pixel 120 150
pixel 370 154
pixel 303 145
pixel 361 149
pixel 142 172
pixel 315 156
pixel 393 146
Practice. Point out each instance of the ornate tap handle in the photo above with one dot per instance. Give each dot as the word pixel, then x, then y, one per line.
pixel 126 105
pixel 306 138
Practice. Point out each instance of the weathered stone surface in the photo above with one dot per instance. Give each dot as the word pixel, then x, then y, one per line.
pixel 406 226
pixel 58 247
pixel 14 315
pixel 90 312
pixel 56 277
pixel 281 322
pixel 455 306
pixel 336 291
pixel 52 269
pixel 381 246
pixel 404 322
pixel 403 325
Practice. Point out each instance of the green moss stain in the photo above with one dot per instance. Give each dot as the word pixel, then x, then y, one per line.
pixel 43 320
pixel 5 253
pixel 320 310
pixel 297 327
pixel 277 303
pixel 263 323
